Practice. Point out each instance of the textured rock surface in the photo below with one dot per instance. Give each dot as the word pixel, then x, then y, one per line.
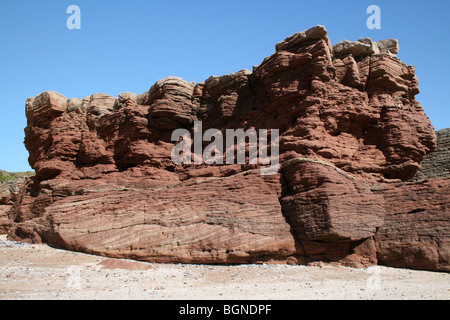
pixel 365 47
pixel 437 163
pixel 10 185
pixel 349 124
pixel 5 222
pixel 328 205
pixel 416 230
pixel 178 223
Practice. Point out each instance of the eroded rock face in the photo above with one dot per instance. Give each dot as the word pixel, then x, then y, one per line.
pixel 436 164
pixel 416 230
pixel 176 223
pixel 10 186
pixel 327 204
pixel 348 122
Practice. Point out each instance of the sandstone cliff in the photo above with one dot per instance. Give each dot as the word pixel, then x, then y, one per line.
pixel 351 136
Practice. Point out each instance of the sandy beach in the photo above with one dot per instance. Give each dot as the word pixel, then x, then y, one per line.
pixel 42 272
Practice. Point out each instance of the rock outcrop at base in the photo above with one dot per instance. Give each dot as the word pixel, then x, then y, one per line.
pixel 437 163
pixel 351 135
pixel 416 229
pixel 10 186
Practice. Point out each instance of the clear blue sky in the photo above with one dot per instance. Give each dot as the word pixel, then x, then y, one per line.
pixel 129 45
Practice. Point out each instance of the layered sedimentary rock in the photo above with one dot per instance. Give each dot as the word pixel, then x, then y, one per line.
pixel 437 163
pixel 327 204
pixel 350 132
pixel 10 186
pixel 416 229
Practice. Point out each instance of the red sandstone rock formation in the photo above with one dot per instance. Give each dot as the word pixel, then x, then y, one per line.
pixel 416 228
pixel 350 132
pixel 10 185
